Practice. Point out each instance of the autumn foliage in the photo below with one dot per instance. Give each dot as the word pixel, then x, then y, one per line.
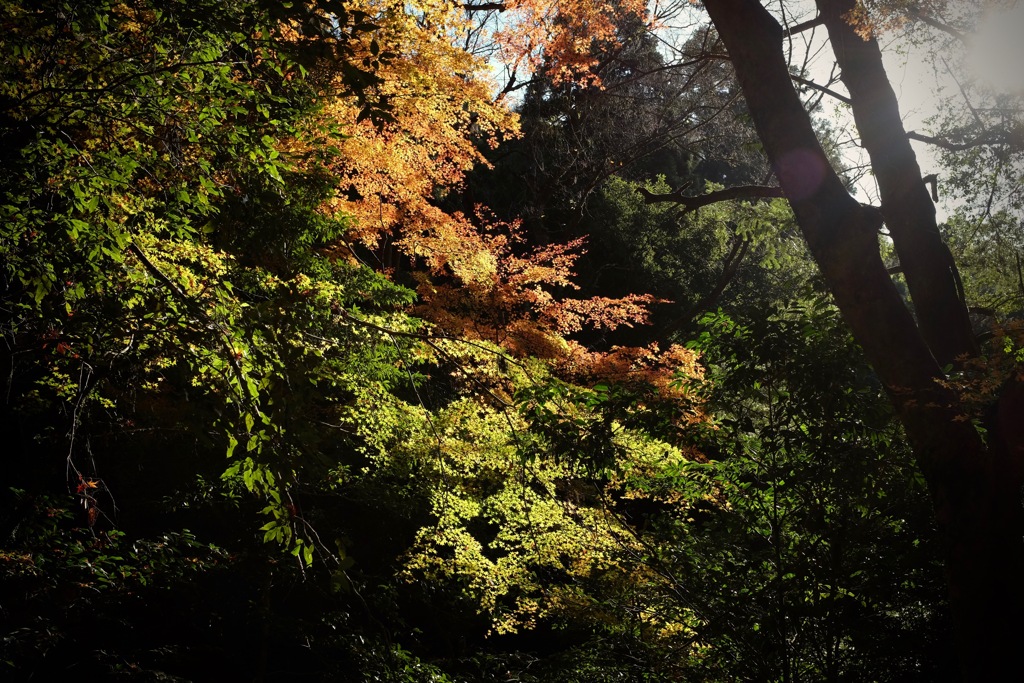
pixel 476 277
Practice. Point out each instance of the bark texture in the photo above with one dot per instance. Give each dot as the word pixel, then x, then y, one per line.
pixel 975 485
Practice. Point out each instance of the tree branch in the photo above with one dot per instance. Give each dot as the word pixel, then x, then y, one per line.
pixel 729 269
pixel 231 353
pixel 805 25
pixel 935 23
pixel 993 138
pixel 828 91
pixel 730 193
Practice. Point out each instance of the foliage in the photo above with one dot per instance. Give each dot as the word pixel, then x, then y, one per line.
pixel 283 400
pixel 684 256
pixel 821 544
pixel 521 516
pixel 990 252
pixel 62 574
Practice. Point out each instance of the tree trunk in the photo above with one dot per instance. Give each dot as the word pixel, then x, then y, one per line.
pixel 975 485
pixel 906 206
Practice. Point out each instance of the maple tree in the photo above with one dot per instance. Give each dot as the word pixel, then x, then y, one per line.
pixel 441 116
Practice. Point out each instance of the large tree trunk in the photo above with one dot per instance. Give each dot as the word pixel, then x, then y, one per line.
pixel 976 486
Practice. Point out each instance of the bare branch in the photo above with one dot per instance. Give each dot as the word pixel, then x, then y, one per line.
pixel 963 92
pixel 821 88
pixel 805 25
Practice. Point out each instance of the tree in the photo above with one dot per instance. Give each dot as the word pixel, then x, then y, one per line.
pixel 975 475
pixel 187 189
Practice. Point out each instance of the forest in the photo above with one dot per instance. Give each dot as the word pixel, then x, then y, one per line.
pixel 527 340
